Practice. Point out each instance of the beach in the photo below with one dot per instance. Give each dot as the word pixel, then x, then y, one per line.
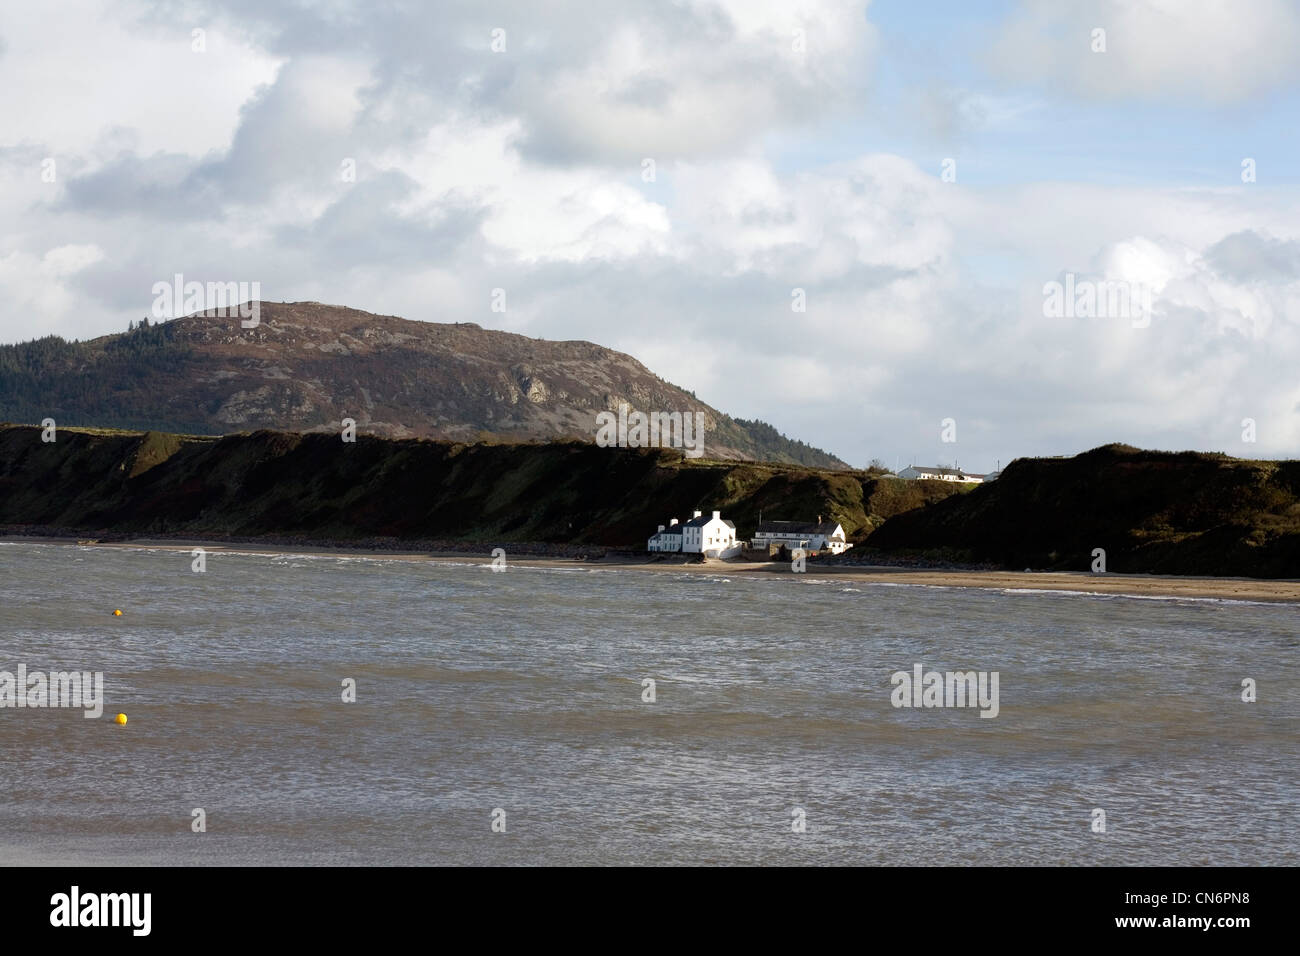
pixel 1133 585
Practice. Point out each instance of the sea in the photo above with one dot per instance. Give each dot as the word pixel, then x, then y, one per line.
pixel 339 709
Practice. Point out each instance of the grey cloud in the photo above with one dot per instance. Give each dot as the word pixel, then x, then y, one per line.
pixel 1250 256
pixel 23 155
pixel 392 239
pixel 702 92
pixel 275 146
pixel 162 186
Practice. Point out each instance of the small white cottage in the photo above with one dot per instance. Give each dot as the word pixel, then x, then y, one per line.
pixel 809 535
pixel 666 539
pixel 713 537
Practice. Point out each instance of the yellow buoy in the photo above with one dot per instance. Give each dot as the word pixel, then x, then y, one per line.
pixel 117 613
pixel 120 718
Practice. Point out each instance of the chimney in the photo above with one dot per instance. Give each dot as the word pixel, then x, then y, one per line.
pixel 696 515
pixel 661 528
pixel 819 519
pixel 673 522
pixel 717 515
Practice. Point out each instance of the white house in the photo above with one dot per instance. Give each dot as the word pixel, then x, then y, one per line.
pixel 809 535
pixel 666 539
pixel 918 472
pixel 713 537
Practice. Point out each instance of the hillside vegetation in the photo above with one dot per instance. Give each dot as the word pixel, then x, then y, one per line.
pixel 319 487
pixel 1158 512
pixel 308 366
pixel 1185 513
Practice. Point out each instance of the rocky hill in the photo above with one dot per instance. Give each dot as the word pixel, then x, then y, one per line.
pixel 308 366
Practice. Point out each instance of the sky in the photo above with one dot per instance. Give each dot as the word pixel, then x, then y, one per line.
pixel 843 218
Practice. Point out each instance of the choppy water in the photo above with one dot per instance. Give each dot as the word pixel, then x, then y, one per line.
pixel 522 690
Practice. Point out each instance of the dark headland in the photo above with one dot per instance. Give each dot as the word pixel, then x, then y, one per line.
pixel 1186 513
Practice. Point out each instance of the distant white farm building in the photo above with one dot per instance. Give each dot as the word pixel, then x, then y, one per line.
pixel 713 537
pixel 919 472
pixel 810 535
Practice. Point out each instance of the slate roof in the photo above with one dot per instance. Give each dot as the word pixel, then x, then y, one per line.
pixel 797 527
pixel 702 520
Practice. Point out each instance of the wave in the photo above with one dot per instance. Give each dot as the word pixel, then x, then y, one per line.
pixel 1120 596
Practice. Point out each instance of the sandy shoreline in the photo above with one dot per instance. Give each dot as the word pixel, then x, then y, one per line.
pixel 1145 585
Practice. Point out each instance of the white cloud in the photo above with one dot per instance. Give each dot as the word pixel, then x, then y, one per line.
pixel 704 79
pixel 70 78
pixel 1205 50
pixel 879 210
pixel 37 289
pixel 530 213
pixel 522 171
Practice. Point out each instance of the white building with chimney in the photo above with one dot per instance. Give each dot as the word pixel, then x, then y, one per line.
pixel 666 538
pixel 713 537
pixel 807 535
